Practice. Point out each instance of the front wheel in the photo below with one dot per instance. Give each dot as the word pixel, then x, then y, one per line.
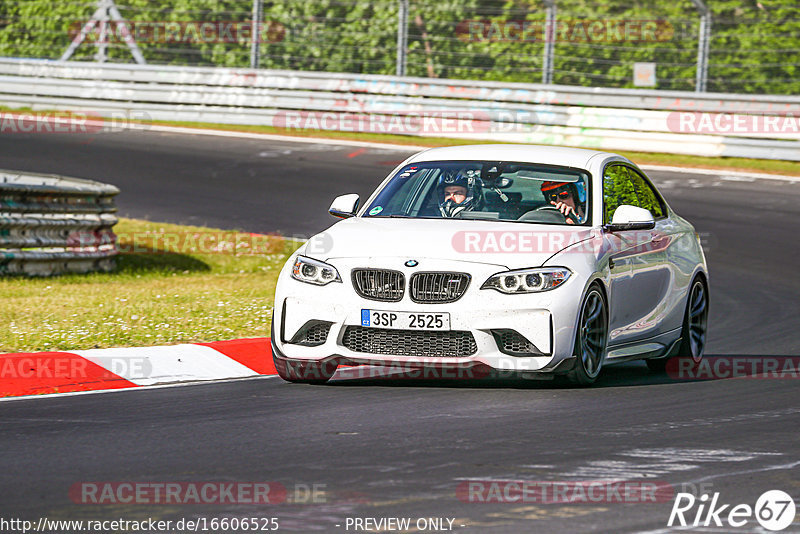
pixel 590 339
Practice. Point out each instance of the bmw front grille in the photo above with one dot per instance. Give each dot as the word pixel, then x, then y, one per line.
pixel 379 284
pixel 438 287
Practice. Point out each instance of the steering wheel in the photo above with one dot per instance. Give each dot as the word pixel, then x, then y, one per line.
pixel 571 216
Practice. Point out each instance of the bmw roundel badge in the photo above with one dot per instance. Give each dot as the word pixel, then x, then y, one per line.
pixel 412 263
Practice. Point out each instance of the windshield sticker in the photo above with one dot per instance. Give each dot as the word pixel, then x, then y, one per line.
pixel 376 210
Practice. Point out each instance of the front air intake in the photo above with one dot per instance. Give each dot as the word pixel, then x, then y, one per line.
pixel 420 343
pixel 513 343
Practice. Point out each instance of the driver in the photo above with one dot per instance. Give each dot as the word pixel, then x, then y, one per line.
pixel 564 196
pixel 459 191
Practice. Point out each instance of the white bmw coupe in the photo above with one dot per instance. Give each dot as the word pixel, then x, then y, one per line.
pixel 534 260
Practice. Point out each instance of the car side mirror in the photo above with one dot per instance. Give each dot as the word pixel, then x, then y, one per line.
pixel 628 217
pixel 344 206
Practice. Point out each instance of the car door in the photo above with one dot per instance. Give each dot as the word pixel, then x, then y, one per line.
pixel 638 280
pixel 662 277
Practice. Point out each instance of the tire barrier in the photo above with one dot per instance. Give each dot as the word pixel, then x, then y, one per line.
pixel 53 224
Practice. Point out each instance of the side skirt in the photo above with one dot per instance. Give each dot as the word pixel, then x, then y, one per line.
pixel 661 346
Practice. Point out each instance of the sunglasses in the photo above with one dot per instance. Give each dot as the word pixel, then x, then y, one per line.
pixel 559 194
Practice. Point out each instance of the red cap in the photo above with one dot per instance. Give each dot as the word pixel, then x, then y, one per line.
pixel 547 186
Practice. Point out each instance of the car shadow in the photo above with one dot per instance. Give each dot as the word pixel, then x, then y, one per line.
pixel 635 373
pixel 147 259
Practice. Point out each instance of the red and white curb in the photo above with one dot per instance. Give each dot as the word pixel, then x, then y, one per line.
pixel 43 373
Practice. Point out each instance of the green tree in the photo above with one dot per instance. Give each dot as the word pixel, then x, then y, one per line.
pixel 755 44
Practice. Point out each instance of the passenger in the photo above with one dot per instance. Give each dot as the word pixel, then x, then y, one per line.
pixel 458 192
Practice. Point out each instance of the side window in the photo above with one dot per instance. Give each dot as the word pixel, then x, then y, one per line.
pixel 648 199
pixel 618 189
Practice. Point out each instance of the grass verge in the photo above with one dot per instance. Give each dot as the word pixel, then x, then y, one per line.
pixel 172 284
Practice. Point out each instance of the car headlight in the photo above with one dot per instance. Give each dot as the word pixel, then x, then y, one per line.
pixel 528 280
pixel 314 272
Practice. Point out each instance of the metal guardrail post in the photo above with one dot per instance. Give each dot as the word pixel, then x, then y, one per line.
pixel 402 37
pixel 549 41
pixel 703 45
pixel 255 45
pixel 102 47
pixel 106 11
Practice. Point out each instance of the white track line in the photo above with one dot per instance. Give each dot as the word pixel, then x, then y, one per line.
pixel 723 173
pixel 409 148
pixel 138 388
pixel 416 148
pixel 781 467
pixel 274 137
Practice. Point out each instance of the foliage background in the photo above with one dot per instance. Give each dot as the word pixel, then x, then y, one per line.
pixel 755 44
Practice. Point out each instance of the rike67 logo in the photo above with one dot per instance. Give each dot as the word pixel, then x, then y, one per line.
pixel 774 510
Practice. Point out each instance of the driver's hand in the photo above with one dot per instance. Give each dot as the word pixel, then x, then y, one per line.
pixel 566 211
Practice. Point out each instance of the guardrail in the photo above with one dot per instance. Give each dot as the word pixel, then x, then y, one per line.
pixel 609 119
pixel 52 224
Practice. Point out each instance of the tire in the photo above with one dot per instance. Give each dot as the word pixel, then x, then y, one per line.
pixel 591 338
pixel 693 330
pixel 301 371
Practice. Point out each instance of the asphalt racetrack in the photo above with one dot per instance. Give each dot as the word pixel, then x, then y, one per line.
pixel 403 448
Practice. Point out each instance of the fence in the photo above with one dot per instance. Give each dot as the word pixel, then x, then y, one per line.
pixel 52 224
pixel 713 45
pixel 610 119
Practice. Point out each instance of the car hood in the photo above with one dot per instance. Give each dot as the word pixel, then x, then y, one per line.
pixel 507 244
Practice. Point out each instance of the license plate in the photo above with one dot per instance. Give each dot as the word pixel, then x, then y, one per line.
pixel 405 320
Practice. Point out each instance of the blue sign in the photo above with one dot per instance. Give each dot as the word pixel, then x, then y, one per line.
pixel 364 317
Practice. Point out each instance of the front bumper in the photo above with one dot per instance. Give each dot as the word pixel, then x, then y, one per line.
pixel 545 319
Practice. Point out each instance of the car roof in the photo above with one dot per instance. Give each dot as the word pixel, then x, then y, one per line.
pixel 548 155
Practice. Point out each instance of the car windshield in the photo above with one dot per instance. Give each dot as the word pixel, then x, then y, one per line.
pixel 504 191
